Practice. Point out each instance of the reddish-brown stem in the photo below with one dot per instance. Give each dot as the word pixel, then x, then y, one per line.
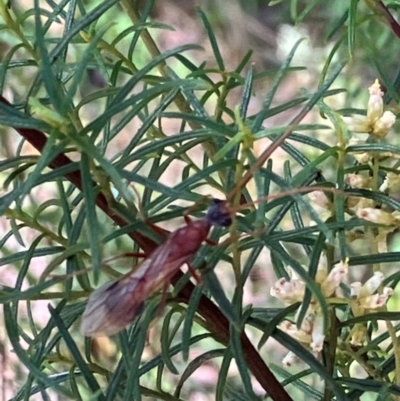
pixel 38 140
pixel 216 321
pixel 394 25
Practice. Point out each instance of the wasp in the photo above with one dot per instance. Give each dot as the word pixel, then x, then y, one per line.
pixel 116 304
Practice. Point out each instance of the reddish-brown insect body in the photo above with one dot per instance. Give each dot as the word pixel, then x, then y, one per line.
pixel 116 304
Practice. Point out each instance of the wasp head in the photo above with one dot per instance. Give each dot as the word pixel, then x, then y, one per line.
pixel 218 214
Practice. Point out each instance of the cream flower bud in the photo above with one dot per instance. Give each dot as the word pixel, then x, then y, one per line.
pixel 358 335
pixel 290 359
pixel 387 291
pixel 371 285
pixel 355 141
pixel 363 158
pixel 376 122
pixel 374 301
pixel 318 335
pixel 323 216
pixel 320 199
pixel 288 291
pixel 376 216
pixel 375 103
pixel 377 300
pixel 358 181
pixel 322 271
pixel 387 155
pixel 335 276
pixel 357 309
pixel 355 289
pixel 352 201
pixel 391 183
pixel 299 335
pixel 362 203
pixel 307 324
pixel 358 124
pixel 371 302
pixel 381 238
pixel 383 124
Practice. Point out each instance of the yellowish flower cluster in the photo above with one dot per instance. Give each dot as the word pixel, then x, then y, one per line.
pixel 376 122
pixel 311 334
pixel 370 295
pixel 364 299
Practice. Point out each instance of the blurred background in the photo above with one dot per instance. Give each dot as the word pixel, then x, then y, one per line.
pixel 270 29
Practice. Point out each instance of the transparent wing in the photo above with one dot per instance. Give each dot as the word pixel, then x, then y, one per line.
pixel 111 308
pixel 116 304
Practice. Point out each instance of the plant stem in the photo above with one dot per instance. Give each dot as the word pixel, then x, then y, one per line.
pixel 15 28
pixel 152 48
pixel 377 267
pixel 217 323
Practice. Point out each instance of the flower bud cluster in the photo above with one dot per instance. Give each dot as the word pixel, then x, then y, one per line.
pixel 311 333
pixel 377 122
pixel 366 298
pixel 366 209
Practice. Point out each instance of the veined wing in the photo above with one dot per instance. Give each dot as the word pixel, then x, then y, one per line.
pixel 110 308
pixel 116 304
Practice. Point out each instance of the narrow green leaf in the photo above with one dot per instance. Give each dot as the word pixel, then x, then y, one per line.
pixel 195 364
pixel 5 64
pixel 237 352
pixel 73 348
pixel 213 40
pixel 214 286
pixel 312 271
pixel 352 26
pixel 81 25
pixel 81 67
pixel 144 16
pixel 307 10
pixel 166 340
pixel 337 26
pixel 12 332
pixel 223 375
pixel 46 68
pixel 191 311
pixel 140 27
pixel 369 385
pixel 89 192
pixel 272 324
pixel 309 391
pixel 274 87
pixel 17 195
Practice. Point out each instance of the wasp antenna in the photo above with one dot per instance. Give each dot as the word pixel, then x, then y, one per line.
pixel 266 154
pixel 196 204
pixel 289 192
